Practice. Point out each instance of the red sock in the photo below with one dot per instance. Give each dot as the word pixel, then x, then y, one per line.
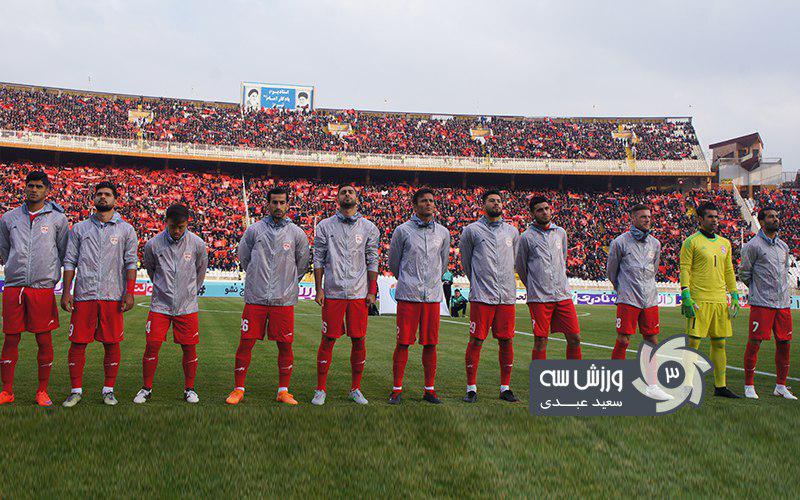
pixel 324 359
pixel 574 351
pixel 429 365
pixel 8 360
pixel 285 363
pixel 189 365
pixel 750 360
pixel 539 354
pixel 358 358
pixel 399 361
pixel 620 348
pixel 76 359
pixel 243 355
pixel 149 363
pixel 506 355
pixel 44 359
pixel 472 358
pixel 111 361
pixel 782 362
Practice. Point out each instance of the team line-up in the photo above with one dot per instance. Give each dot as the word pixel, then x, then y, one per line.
pixel 99 257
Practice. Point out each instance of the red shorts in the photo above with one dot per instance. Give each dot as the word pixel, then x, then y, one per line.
pixel 629 316
pixel 276 321
pixel 334 313
pixel 557 317
pixel 99 320
pixel 765 320
pixel 501 317
pixel 185 328
pixel 29 309
pixel 418 315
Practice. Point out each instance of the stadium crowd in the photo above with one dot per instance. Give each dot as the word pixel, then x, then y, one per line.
pixel 591 219
pixel 788 201
pixel 386 133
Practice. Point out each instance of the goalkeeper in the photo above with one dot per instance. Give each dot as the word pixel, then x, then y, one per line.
pixel 706 276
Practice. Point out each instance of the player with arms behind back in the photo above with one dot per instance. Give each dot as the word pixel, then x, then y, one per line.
pixel 765 270
pixel 101 257
pixel 632 266
pixel 542 265
pixel 706 275
pixel 488 250
pixel 419 253
pixel 33 241
pixel 346 255
pixel 176 261
pixel 274 253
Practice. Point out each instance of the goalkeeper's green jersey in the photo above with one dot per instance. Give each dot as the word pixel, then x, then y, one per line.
pixel 707 268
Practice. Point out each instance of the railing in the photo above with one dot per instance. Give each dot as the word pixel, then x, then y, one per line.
pixel 345 159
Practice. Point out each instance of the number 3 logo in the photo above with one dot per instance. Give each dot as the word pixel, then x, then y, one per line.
pixel 245 325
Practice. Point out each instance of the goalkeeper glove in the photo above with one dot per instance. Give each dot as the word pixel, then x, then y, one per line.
pixel 688 305
pixel 733 310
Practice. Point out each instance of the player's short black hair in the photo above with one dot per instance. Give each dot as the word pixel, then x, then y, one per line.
pixel 490 192
pixel 303 94
pixel 637 207
pixel 251 92
pixel 762 213
pixel 277 190
pixel 704 207
pixel 535 200
pixel 346 186
pixel 177 213
pixel 419 193
pixel 106 185
pixel 38 175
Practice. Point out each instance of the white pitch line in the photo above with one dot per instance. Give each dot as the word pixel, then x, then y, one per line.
pixel 602 346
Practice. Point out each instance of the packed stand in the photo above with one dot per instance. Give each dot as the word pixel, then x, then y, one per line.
pixel 215 199
pixel 788 202
pixel 208 123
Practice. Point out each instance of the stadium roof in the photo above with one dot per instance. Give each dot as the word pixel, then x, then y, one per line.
pixel 745 140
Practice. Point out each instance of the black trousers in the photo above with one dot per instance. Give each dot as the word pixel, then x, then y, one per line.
pixel 457 308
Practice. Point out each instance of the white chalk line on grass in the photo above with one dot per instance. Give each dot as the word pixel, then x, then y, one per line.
pixel 602 346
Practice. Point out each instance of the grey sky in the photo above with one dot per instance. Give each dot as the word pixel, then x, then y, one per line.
pixel 732 65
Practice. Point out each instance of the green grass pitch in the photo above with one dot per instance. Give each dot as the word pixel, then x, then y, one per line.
pixel 492 448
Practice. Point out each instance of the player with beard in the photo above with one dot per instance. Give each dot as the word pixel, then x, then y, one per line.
pixel 765 270
pixel 33 240
pixel 346 256
pixel 488 250
pixel 542 266
pixel 274 254
pixel 101 252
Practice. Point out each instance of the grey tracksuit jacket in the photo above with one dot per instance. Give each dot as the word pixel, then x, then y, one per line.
pixel 177 270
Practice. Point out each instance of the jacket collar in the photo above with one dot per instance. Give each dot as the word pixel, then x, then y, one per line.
pixel 489 223
pixel 115 219
pixel 169 239
pixel 770 241
pixel 416 220
pixel 638 234
pixel 550 227
pixel 49 206
pixel 268 220
pixel 348 220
